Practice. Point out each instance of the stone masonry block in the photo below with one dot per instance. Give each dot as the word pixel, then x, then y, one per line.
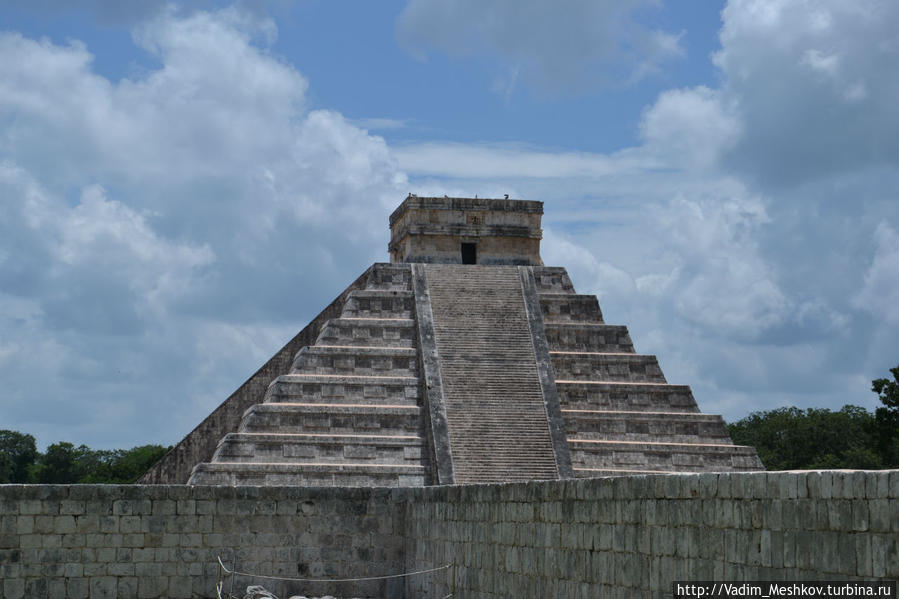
pixel 121 569
pixel 127 587
pixel 813 485
pixel 854 484
pixel 860 515
pixel 24 524
pixel 724 485
pixel 109 524
pixel 151 587
pixel 77 588
pixel 894 484
pixel 30 507
pixel 783 485
pixel 44 524
pixel 103 587
pixel 88 523
pixel 63 524
pixel 71 507
pixel 877 485
pixel 163 507
pixel 94 569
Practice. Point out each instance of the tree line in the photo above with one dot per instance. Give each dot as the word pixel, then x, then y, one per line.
pixel 785 438
pixel 812 439
pixel 64 463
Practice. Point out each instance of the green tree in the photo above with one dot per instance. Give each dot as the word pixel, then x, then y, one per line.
pixel 123 465
pixel 888 390
pixel 59 464
pixel 795 439
pixel 63 463
pixel 887 418
pixel 17 455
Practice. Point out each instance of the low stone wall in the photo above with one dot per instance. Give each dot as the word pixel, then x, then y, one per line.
pixel 106 541
pixel 611 537
pixel 634 536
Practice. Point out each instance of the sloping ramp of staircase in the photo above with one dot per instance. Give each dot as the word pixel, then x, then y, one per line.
pixel 621 416
pixel 497 421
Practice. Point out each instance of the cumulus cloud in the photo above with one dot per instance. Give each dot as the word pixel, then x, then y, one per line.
pixel 573 46
pixel 94 267
pixel 880 293
pixel 816 85
pixel 808 90
pixel 150 222
pixel 690 128
pixel 722 282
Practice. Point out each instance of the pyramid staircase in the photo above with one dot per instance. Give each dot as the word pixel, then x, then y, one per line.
pixel 620 414
pixel 497 420
pixel 348 413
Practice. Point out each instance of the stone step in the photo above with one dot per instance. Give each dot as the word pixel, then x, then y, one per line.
pixel 356 360
pixel 578 336
pixel 323 388
pixel 383 332
pixel 552 279
pixel 309 474
pixel 634 426
pixel 395 277
pixel 649 397
pixel 322 448
pixel 680 457
pixel 568 307
pixel 332 418
pixel 379 303
pixel 592 366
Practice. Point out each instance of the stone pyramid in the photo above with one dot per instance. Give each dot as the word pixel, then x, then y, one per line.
pixel 464 360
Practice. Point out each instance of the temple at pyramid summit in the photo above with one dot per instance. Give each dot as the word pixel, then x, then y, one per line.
pixel 463 360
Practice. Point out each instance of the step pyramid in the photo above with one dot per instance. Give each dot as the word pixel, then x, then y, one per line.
pixel 456 365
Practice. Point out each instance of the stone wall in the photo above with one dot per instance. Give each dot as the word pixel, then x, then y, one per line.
pixel 609 537
pixel 107 541
pixel 633 536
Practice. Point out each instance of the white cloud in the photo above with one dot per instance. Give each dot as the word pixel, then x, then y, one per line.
pixel 815 83
pixel 149 223
pixel 572 46
pixel 722 282
pixel 880 293
pixel 472 160
pixel 690 128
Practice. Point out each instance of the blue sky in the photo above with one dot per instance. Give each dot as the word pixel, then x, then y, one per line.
pixel 184 186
